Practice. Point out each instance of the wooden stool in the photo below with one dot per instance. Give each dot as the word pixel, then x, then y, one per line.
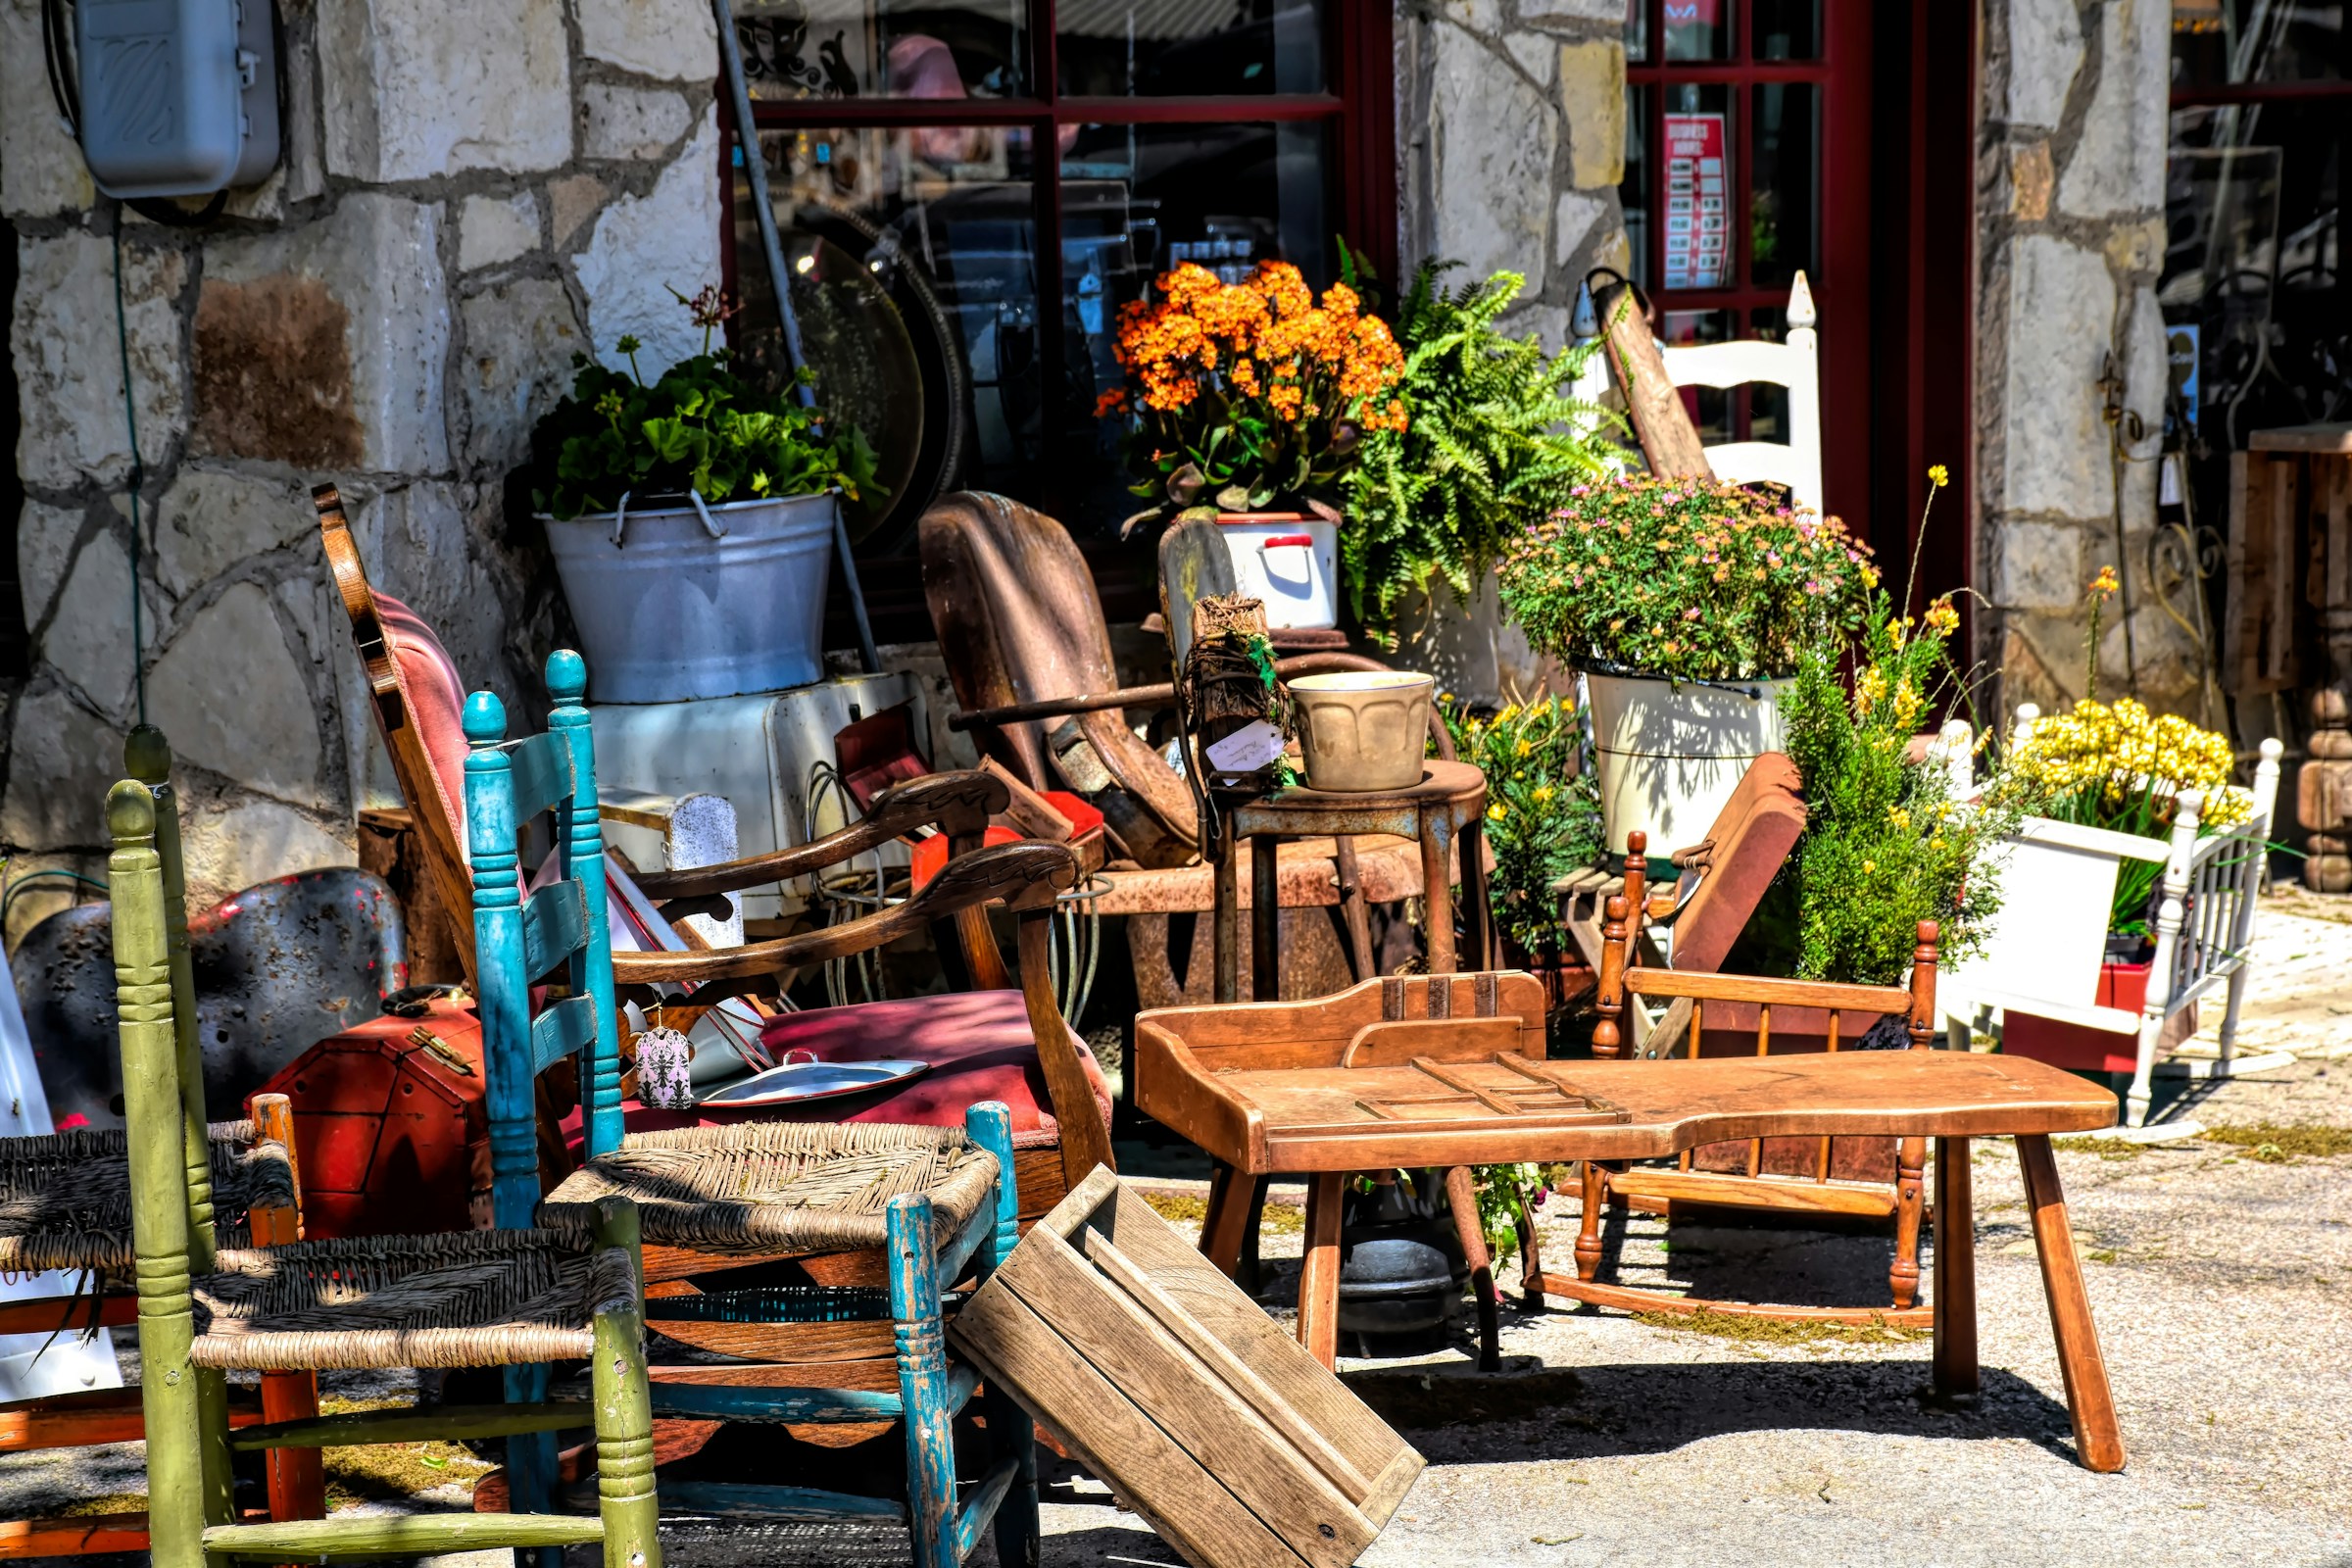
pixel 1446 808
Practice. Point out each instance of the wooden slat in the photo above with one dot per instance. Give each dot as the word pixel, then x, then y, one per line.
pixel 441 1422
pixel 1188 1507
pixel 1637 1301
pixel 85 1418
pixel 1794 1194
pixel 76 1537
pixel 542 766
pixel 386 1535
pixel 68 1314
pixel 705 1402
pixel 554 923
pixel 1760 989
pixel 563 1028
pixel 979 1505
pixel 782 1341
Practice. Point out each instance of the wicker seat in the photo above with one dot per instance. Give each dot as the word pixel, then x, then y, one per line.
pixel 64 1198
pixel 467 1299
pixel 768 1188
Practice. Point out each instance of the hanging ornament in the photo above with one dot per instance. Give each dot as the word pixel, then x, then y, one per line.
pixel 663 1079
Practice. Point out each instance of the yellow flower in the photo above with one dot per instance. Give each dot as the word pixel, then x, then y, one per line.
pixel 1869 866
pixel 1938 476
pixel 1542 793
pixel 1898 816
pixel 1495 813
pixel 2105 583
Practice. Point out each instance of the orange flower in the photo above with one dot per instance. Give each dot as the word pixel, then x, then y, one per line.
pixel 1111 402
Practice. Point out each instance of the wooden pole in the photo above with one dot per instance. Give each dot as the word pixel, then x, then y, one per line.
pixel 1662 426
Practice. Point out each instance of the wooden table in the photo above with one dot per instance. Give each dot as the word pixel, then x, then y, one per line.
pixel 1449 1070
pixel 1444 812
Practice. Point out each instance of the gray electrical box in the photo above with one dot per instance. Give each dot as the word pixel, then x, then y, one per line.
pixel 178 97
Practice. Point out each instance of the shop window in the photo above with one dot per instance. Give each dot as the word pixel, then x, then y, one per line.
pixel 968 193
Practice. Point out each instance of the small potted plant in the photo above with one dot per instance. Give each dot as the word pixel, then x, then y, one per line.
pixel 1542 819
pixel 1253 399
pixel 691 522
pixel 1687 604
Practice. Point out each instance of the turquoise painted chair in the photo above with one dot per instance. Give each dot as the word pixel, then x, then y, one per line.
pixel 937 1204
pixel 494 1299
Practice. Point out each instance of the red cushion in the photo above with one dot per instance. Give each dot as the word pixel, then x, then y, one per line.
pixel 436 697
pixel 977 1041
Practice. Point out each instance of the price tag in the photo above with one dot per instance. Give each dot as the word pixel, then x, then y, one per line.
pixel 1253 746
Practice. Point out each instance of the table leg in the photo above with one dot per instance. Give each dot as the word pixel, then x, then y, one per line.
pixel 1228 904
pixel 1478 922
pixel 1228 1217
pixel 1319 1276
pixel 1265 919
pixel 2097 1442
pixel 1437 891
pixel 1956 1272
pixel 1588 1231
pixel 1461 1196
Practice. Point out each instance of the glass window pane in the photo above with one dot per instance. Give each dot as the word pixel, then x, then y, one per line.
pixel 943 49
pixel 1699 30
pixel 1788 30
pixel 1632 192
pixel 1783 214
pixel 1767 402
pixel 2222 41
pixel 913 277
pixel 1700 170
pixel 1136 200
pixel 1711 407
pixel 1636 30
pixel 1128 48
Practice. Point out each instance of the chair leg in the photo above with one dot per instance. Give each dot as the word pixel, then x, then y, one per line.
pixel 1319 1274
pixel 1910 1175
pixel 2097 1441
pixel 624 1415
pixel 923 1382
pixel 1461 1196
pixel 1011 1432
pixel 1955 1302
pixel 2237 996
pixel 1228 1217
pixel 534 1468
pixel 1353 910
pixel 297 1477
pixel 1530 1259
pixel 1587 1233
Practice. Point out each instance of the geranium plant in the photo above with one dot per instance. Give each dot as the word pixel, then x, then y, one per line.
pixel 699 426
pixel 1683 578
pixel 1250 394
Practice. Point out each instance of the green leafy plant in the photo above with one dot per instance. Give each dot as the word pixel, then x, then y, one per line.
pixel 1495 442
pixel 1542 810
pixel 1683 578
pixel 698 427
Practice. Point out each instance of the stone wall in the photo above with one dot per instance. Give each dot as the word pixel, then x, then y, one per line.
pixel 2070 202
pixel 459 210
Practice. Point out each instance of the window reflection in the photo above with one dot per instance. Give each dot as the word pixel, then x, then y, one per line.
pixel 874 49
pixel 1131 48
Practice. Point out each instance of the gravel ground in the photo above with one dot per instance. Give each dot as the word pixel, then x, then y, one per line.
pixel 2218 1281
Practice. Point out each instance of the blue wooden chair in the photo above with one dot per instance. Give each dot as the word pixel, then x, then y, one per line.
pixel 937 1204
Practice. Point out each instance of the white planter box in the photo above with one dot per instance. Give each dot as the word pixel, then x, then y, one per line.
pixel 1671 756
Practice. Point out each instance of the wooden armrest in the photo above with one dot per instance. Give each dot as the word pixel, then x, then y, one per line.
pixel 1706 987
pixel 957 804
pixel 1023 875
pixel 1160 696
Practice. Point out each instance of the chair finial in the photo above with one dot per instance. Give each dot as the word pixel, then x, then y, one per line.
pixel 566 677
pixel 1584 322
pixel 129 811
pixel 1800 302
pixel 485 720
pixel 147 756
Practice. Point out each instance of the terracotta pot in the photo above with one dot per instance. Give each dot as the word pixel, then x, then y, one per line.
pixel 1362 731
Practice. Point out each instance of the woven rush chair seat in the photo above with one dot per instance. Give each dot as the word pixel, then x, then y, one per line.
pixel 64 1198
pixel 464 1299
pixel 765 1188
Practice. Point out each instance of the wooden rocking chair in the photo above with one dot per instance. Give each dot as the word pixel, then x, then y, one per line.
pixel 1743 1015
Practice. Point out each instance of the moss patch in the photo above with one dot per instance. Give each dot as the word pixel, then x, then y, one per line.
pixel 104 1503
pixel 1782 1331
pixel 1192 1208
pixel 2276 1144
pixel 386 1471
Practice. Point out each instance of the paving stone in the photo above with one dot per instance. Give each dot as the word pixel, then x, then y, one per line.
pixel 618 121
pixel 673 39
pixel 497 228
pixel 1494 137
pixel 635 257
pixel 228 693
pixel 520 340
pixel 324 346
pixel 70 369
pixel 411 96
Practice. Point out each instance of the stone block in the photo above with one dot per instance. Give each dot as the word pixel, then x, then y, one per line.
pixel 2036 565
pixel 571 202
pixel 2061 320
pixel 2118 162
pixel 1580 216
pixel 46 539
pixel 41 172
pixel 497 228
pixel 520 340
pixel 412 94
pixel 212 519
pixel 65 758
pixel 2159 653
pixel 1494 140
pixel 646 246
pixel 69 370
pixel 2031 180
pixel 238 844
pixel 2045 51
pixel 618 121
pixel 87 640
pixel 230 694
pixel 673 39
pixel 324 346
pixel 1535 53
pixel 1592 100
pixel 1557 11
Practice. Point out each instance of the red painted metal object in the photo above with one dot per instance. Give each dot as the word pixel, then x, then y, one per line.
pixel 2080 1048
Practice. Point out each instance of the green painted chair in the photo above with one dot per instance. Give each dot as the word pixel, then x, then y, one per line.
pixel 925 1208
pixel 483 1299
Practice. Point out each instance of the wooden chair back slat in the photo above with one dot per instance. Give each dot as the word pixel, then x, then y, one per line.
pixel 542 770
pixel 554 924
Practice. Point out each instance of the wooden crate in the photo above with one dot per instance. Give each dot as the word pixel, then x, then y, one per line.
pixel 1177 1388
